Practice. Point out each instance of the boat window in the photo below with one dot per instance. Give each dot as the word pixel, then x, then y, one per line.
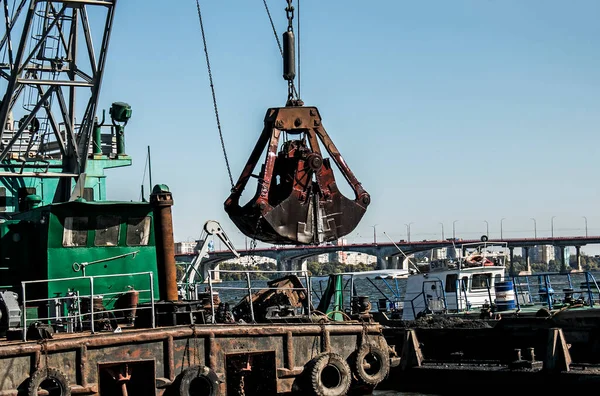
pixel 138 231
pixel 465 283
pixel 76 231
pixel 497 278
pixel 451 282
pixel 481 281
pixel 107 230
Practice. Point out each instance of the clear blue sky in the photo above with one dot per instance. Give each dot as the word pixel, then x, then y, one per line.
pixel 445 110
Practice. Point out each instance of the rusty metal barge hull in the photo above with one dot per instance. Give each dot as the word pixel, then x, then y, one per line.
pixel 154 358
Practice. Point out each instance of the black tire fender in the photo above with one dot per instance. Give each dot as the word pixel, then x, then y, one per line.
pixel 329 375
pixel 199 380
pixel 371 365
pixel 50 378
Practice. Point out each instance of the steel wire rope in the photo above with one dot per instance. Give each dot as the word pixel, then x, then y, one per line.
pixel 298 28
pixel 296 93
pixel 214 97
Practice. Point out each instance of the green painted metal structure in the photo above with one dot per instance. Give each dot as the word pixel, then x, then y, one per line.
pixel 42 237
pixel 53 241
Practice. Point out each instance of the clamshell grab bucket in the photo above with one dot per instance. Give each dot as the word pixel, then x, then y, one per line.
pixel 297 200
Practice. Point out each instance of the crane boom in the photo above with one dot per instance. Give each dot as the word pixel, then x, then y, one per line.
pixel 197 267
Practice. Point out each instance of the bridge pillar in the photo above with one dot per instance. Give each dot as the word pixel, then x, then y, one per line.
pixel 381 263
pixel 563 264
pixel 578 254
pixel 283 264
pixel 302 265
pixel 405 263
pixel 216 276
pixel 512 270
pixel 390 262
pixel 527 260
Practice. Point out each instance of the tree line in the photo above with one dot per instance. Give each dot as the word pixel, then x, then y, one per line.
pixel 314 269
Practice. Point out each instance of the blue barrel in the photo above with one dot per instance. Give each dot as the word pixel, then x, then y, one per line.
pixel 505 296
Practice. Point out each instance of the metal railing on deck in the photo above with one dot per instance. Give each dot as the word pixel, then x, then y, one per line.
pixel 74 316
pixel 249 289
pixel 552 288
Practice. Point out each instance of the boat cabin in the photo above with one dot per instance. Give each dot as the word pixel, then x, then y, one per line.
pixel 456 284
pixel 65 244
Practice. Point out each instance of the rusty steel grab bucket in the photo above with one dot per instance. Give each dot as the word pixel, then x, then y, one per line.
pixel 297 200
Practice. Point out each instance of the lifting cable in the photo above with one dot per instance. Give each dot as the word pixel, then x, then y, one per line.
pixel 214 97
pixel 293 87
pixel 298 28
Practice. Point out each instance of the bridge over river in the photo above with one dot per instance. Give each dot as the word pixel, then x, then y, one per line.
pixel 393 255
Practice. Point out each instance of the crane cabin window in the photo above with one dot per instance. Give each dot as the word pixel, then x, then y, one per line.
pixel 138 231
pixel 75 232
pixel 107 230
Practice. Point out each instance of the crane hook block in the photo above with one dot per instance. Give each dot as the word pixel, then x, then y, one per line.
pixel 289 56
pixel 297 200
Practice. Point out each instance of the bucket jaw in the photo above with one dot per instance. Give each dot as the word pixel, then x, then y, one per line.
pixel 297 200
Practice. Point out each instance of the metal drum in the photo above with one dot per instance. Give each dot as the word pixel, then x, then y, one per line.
pixel 505 296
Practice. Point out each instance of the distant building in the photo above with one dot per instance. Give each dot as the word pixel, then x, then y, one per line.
pixel 250 260
pixel 567 257
pixel 439 254
pixel 542 254
pixel 185 247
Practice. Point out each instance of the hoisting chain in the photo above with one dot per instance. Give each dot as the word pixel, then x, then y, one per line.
pixel 214 97
pixel 289 12
pixel 290 83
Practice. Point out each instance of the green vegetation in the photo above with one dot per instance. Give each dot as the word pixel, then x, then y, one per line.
pixel 588 263
pixel 314 269
pixel 318 269
pixel 236 276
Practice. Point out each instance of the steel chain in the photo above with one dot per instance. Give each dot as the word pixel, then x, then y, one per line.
pixel 214 97
pixel 289 12
pixel 292 93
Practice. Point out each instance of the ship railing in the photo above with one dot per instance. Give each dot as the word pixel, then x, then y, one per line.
pixel 250 289
pixel 551 289
pixel 68 309
pixel 461 296
pixel 435 303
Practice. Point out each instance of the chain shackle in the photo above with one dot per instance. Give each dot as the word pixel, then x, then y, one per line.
pixel 289 12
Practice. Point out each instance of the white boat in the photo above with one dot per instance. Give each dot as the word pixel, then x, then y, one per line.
pixel 472 281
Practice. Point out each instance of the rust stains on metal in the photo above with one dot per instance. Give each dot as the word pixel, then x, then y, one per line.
pixel 297 200
pixel 160 334
pixel 162 200
pixel 170 368
pixel 287 291
pixel 289 349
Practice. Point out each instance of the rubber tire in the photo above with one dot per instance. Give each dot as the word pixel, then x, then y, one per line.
pixel 315 371
pixel 205 373
pixel 41 375
pixel 484 238
pixel 384 365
